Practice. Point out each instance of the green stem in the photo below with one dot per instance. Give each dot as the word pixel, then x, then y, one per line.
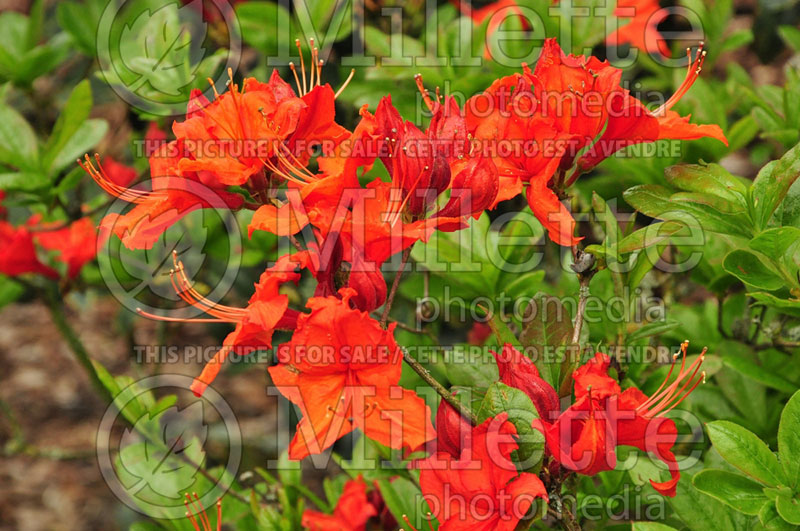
pixel 75 344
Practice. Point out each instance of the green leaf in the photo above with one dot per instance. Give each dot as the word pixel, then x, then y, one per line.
pixel 778 243
pixel 80 21
pixel 770 519
pixel 403 497
pixel 18 145
pixel 744 450
pixel 501 398
pixel 151 467
pixel 648 236
pixel 789 508
pixel 741 493
pixel 699 511
pixel 88 135
pixel 23 181
pixel 650 526
pixel 547 331
pixel 791 36
pixel 758 373
pixel 772 184
pixel 751 270
pixel 652 329
pixel 657 202
pixel 711 179
pixel 72 116
pixel 260 24
pixel 791 307
pixel 460 259
pixel 789 441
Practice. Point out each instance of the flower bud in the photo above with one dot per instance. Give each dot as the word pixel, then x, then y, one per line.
pixel 453 431
pixel 474 187
pixel 517 370
pixel 370 288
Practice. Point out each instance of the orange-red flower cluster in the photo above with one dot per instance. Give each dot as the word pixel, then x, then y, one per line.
pixel 277 150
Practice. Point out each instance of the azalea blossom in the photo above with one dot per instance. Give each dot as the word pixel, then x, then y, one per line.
pixel 18 253
pixel 584 437
pixel 351 513
pixel 342 370
pixel 562 119
pixel 267 310
pixel 481 488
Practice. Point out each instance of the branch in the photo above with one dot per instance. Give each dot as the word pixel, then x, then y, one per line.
pixel 439 388
pixel 583 266
pixel 393 291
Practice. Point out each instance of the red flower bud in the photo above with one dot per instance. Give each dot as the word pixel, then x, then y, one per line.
pixel 452 430
pixel 370 288
pixel 517 370
pixel 474 187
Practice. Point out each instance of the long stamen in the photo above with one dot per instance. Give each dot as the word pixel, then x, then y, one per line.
pixel 296 79
pixel 196 513
pixel 422 90
pixel 346 82
pixel 657 396
pixel 314 54
pixel 679 393
pixel 676 392
pixel 302 64
pixel 693 72
pixel 155 317
pixel 105 182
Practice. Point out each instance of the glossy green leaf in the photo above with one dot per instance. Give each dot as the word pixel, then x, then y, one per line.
pixel 403 497
pixel 750 269
pixel 740 492
pixel 789 441
pixel 744 450
pixel 772 184
pixel 18 145
pixel 770 519
pixel 656 201
pixel 521 412
pixel 72 116
pixel 758 373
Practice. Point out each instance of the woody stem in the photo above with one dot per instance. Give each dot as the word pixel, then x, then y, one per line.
pixel 390 299
pixel 413 363
pixel 439 388
pixel 585 273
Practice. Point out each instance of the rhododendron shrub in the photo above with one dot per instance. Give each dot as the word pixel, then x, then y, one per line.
pixel 530 265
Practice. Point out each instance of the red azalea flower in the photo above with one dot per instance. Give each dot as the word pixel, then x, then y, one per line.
pixel 563 106
pixel 341 369
pixel 76 243
pixel 262 131
pixel 18 253
pixel 481 489
pixel 584 437
pixel 267 310
pixel 174 194
pixel 351 513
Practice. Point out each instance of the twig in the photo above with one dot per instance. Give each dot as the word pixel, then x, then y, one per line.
pixel 390 299
pixel 583 267
pixel 439 388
